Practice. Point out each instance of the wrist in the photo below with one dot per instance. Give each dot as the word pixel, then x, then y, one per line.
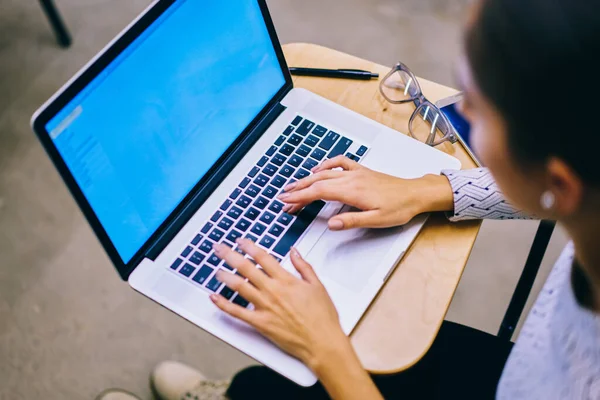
pixel 435 194
pixel 333 352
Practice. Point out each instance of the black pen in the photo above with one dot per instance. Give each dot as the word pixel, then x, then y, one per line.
pixel 334 73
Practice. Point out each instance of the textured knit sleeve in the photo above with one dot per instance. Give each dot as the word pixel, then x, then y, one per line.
pixel 476 196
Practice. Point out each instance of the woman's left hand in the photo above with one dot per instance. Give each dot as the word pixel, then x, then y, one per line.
pixel 296 314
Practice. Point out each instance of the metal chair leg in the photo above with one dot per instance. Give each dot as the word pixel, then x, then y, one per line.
pixel 60 30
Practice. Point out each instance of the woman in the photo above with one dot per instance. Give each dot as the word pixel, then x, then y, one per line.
pixel 521 58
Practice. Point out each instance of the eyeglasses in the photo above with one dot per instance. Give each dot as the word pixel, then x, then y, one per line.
pixel 427 123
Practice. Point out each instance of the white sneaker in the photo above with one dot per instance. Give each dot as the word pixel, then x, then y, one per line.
pixel 116 394
pixel 172 380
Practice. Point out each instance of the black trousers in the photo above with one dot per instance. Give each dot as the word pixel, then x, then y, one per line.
pixel 463 363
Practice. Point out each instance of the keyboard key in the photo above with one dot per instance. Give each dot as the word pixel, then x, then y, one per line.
pixel 214 284
pixel 361 151
pixel 216 235
pixel 312 140
pixel 278 159
pixel 318 154
pixel 270 170
pixel 278 181
pixel 287 170
pixel 271 151
pixel 303 150
pixel 353 157
pixel 288 130
pixel 206 228
pixel 305 127
pixel 258 229
pixel 302 173
pixel 186 252
pixel 251 237
pixel 267 241
pixel 226 243
pixel 226 292
pixel 310 164
pixel 197 240
pixel 261 202
pixel 340 148
pixel 267 217
pixel 261 180
pixel 277 258
pixel 206 246
pixel 234 195
pixel 269 192
pixel 225 224
pixel 176 264
pixel 276 230
pixel 226 205
pixel 252 191
pixel 245 182
pixel 304 219
pixel 203 274
pixel 238 250
pixel 235 212
pixel 262 161
pixel 243 225
pixel 227 266
pixel 187 270
pixel 252 213
pixel 297 120
pixel 197 258
pixel 280 141
pixel 329 140
pixel 233 236
pixel 253 172
pixel 216 216
pixel 240 301
pixel 214 260
pixel 295 140
pixel 295 160
pixel 319 130
pixel 286 149
pixel 285 219
pixel 276 206
pixel 243 201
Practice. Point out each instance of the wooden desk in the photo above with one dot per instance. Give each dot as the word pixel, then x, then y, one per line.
pixel 404 319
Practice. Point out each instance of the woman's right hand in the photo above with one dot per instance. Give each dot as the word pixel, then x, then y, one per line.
pixel 382 200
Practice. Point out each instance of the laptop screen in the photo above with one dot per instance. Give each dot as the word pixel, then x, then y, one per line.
pixel 144 132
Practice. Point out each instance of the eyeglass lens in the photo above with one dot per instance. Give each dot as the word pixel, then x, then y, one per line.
pixel 400 86
pixel 428 125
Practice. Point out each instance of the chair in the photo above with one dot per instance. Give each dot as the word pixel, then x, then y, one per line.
pixel 60 30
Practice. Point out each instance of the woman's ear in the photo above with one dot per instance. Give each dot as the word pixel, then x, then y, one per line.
pixel 566 186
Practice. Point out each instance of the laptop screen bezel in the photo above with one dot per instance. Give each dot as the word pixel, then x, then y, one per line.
pixel 89 73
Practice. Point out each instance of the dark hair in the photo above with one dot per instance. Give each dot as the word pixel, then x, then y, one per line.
pixel 537 62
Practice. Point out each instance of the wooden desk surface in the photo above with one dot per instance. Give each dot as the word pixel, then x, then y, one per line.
pixel 403 320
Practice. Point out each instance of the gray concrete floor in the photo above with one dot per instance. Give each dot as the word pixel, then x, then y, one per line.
pixel 68 326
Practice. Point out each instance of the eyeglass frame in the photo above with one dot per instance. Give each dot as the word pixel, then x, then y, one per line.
pixel 420 101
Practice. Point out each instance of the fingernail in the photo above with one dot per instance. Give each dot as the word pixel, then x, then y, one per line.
pixel 286 208
pixel 295 252
pixel 218 248
pixel 284 196
pixel 214 298
pixel 291 186
pixel 219 274
pixel 336 225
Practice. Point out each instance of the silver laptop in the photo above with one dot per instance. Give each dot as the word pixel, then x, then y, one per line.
pixel 181 133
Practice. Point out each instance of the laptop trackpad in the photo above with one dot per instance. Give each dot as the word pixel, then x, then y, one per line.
pixel 350 257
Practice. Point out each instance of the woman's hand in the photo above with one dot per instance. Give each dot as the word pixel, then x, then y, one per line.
pixel 296 314
pixel 384 200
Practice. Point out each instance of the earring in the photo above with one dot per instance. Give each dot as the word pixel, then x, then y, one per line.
pixel 547 200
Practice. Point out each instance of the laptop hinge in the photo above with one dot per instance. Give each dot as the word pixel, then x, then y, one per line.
pixel 213 182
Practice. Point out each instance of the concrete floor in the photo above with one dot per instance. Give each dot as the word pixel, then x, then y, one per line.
pixel 68 326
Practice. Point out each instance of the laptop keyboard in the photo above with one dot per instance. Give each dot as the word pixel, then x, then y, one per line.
pixel 252 210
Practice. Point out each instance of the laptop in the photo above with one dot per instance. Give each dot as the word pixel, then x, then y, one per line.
pixel 182 132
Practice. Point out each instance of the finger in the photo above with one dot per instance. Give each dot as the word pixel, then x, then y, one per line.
pixel 358 219
pixel 328 190
pixel 239 284
pixel 311 179
pixel 242 264
pixel 305 269
pixel 337 162
pixel 293 208
pixel 265 260
pixel 234 310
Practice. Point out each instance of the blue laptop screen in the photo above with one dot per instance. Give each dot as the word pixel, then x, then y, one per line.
pixel 142 134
